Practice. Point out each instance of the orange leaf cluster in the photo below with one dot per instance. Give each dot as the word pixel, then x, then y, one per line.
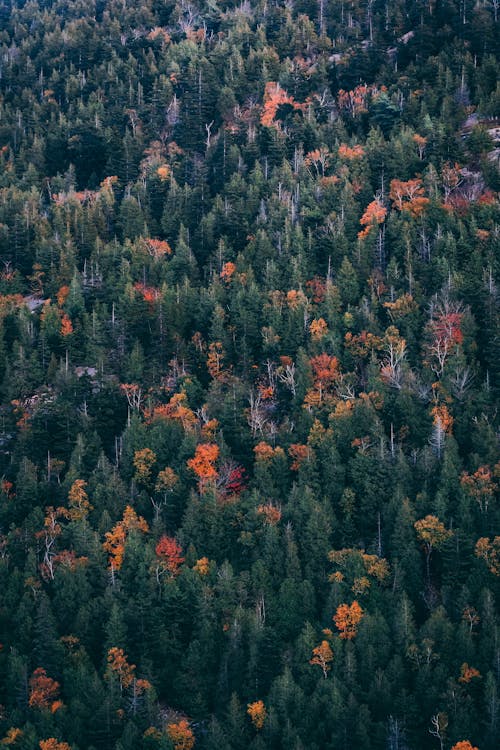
pixel 295 298
pixel 66 325
pixel 257 712
pixel 299 454
pixel 471 616
pixel 270 513
pixel 480 486
pixel 202 566
pixel 490 553
pixel 108 182
pixel 203 463
pixel 13 734
pixel 43 690
pixel 215 359
pixel 318 157
pixel 116 538
pixel 347 558
pixel 68 559
pixel 159 33
pixel 375 214
pixel 482 234
pixel 443 417
pixel 227 271
pixel 9 302
pixel 170 554
pixel 404 305
pixel 275 97
pixel 266 391
pixel 360 585
pixel 318 329
pixel 158 248
pixel 363 344
pixel 62 295
pixel 78 501
pixel 326 373
pixel 118 664
pixel 53 744
pixel 420 142
pixel 468 673
pixel 175 409
pixel 265 452
pixel 408 196
pixel 463 745
pixel 356 101
pixel 431 532
pixel 346 152
pixel 317 288
pixel 163 172
pixel 347 619
pixel 447 328
pixel 322 656
pixel 325 369
pixel 181 735
pixel 149 293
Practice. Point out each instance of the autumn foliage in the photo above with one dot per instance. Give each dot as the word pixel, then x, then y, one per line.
pixel 351 154
pixel 374 215
pixel 468 673
pixel 347 618
pixel 408 196
pixel 275 97
pixel 203 463
pixel 489 551
pixel 257 712
pixel 117 537
pixel 480 486
pixel 322 656
pixel 169 553
pixel 227 271
pixel 78 501
pixel 432 532
pixel 270 513
pixel 13 734
pixel 44 691
pixel 181 735
pixel 53 744
pixel 119 666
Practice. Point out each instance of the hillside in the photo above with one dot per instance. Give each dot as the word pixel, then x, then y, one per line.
pixel 249 375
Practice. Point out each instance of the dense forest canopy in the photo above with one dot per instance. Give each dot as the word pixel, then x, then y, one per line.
pixel 249 360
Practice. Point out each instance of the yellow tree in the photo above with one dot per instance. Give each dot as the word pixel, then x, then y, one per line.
pixel 119 666
pixel 432 534
pixel 13 734
pixel 144 460
pixel 489 552
pixel 78 501
pixel 480 486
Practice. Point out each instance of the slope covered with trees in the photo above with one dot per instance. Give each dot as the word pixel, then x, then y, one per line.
pixel 249 360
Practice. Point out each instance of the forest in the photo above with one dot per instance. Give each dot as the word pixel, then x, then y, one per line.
pixel 249 374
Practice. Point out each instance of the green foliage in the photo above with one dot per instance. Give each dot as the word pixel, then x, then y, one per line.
pixel 249 307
